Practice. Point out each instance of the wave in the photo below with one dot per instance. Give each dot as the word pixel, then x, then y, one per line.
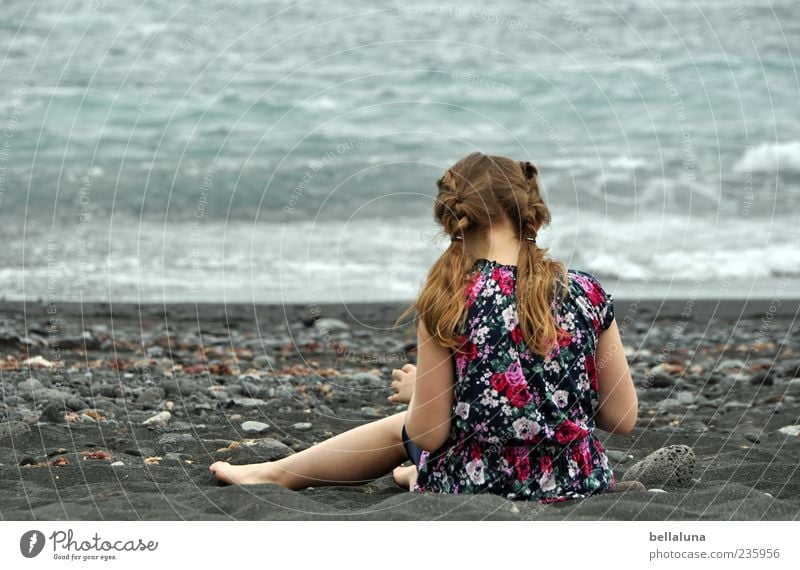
pixel 771 157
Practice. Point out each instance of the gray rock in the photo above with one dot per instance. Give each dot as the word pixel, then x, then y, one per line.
pixel 302 426
pixel 617 456
pixel 263 362
pixel 248 402
pixel 369 379
pixel 324 410
pixel 672 465
pixel 53 412
pixel 685 397
pixel 175 438
pixel 179 387
pixel 369 411
pixel 27 386
pixel 762 378
pixel 150 397
pixel 793 431
pixel 255 451
pixel 661 380
pixel 254 427
pixel 331 326
pixel 159 420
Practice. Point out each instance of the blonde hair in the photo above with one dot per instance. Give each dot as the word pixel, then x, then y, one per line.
pixel 475 193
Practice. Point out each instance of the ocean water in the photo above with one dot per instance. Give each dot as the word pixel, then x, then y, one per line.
pixel 287 151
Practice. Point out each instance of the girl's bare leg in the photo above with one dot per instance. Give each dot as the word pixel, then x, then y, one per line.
pixel 353 457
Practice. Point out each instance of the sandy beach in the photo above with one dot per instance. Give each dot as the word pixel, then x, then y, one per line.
pixel 115 412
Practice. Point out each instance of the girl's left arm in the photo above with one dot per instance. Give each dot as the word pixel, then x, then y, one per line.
pixel 431 407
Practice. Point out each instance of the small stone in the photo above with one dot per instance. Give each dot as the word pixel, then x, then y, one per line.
pixel 656 490
pixel 255 427
pixel 790 430
pixel 369 411
pixel 53 413
pixel 672 465
pixel 38 362
pixel 253 451
pixel 118 464
pixel 369 379
pixel 159 420
pixel 762 378
pixel 263 362
pixel 617 456
pixel 249 402
pixel 302 426
pixel 685 397
pixel 331 325
pixel 175 438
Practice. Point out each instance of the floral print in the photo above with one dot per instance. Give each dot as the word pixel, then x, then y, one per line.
pixel 523 424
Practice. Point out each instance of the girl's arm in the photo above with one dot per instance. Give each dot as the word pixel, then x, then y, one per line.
pixel 431 406
pixel 618 407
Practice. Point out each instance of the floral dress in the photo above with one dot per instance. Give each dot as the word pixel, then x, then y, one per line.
pixel 523 424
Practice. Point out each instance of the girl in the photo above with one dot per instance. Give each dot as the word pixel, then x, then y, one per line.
pixel 519 360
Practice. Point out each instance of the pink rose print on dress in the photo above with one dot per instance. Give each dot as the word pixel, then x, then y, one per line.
pixel 504 279
pixel 514 374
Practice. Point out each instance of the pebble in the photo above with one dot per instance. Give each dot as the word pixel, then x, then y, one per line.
pixel 618 456
pixel 249 402
pixel 302 426
pixel 656 490
pixel 53 413
pixel 669 465
pixel 159 420
pixel 685 397
pixel 762 378
pixel 790 430
pixel 331 325
pixel 175 438
pixel 255 427
pixel 38 362
pixel 370 379
pixel 369 411
pixel 263 362
pixel 118 464
pixel 255 451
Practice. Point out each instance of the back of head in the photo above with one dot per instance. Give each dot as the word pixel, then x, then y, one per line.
pixel 476 193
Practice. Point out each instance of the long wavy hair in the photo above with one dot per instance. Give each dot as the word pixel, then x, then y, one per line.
pixel 476 192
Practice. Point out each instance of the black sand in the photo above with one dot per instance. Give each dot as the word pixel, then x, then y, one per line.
pixel 724 378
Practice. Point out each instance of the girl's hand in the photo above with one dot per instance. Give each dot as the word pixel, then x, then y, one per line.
pixel 404 381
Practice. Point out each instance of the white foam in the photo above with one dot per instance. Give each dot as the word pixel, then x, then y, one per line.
pixel 771 157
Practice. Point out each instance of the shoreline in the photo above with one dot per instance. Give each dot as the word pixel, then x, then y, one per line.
pixel 384 313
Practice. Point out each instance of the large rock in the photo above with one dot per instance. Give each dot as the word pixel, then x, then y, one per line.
pixel 672 465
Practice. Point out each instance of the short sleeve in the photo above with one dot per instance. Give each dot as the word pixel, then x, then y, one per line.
pixel 601 301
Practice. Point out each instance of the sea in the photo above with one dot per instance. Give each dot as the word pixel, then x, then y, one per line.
pixel 286 151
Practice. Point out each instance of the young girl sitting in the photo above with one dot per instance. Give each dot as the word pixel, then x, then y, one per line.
pixel 519 359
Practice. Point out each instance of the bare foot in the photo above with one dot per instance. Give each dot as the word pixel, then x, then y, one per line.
pixel 251 474
pixel 405 477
